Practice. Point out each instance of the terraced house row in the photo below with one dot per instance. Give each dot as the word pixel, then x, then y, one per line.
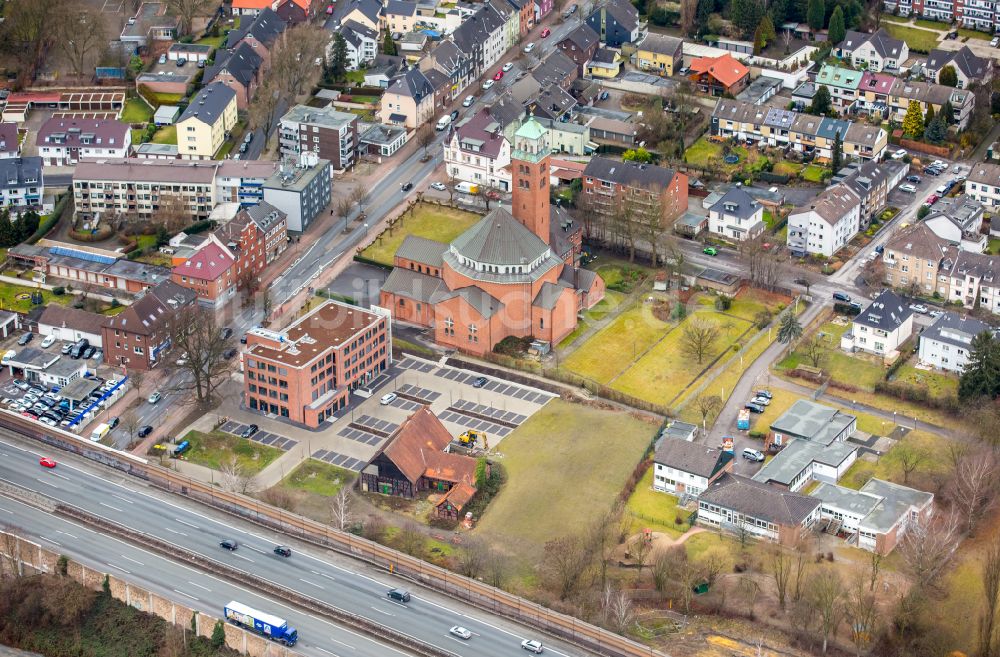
pixel 779 127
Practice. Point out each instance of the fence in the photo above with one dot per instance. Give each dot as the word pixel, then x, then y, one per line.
pixel 472 591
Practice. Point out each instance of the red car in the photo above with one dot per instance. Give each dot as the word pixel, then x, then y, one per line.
pixel 931 200
pixel 546 32
pixel 498 76
pixel 46 462
pixel 329 9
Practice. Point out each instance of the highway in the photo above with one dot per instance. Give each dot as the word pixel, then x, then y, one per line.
pixel 333 579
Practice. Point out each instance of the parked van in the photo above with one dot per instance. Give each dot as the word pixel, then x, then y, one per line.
pixel 101 431
pixel 7 356
pixel 77 351
pixel 467 188
pixel 444 122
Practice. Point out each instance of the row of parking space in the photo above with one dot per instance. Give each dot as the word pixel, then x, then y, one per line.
pixel 361 436
pixel 475 423
pixel 262 437
pixel 416 365
pixel 383 427
pixel 472 408
pixel 421 394
pixel 405 404
pixel 339 460
pixel 478 380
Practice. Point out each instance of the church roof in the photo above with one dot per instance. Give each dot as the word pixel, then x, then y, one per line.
pixel 530 129
pixel 500 239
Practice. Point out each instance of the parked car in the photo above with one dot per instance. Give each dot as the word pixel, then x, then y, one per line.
pixel 899 155
pixel 919 308
pixel 931 171
pixel 488 84
pixel 228 544
pixel 842 296
pixel 935 313
pixel 65 348
pixel 529 47
pixel 388 398
pixel 47 342
pixel 454 115
pixel 604 95
pixel 546 32
pixel 113 422
pixel 498 76
pixel 469 100
pixel 710 250
pixel 913 179
pixel 480 382
pixel 226 333
pixel 908 188
pixel 995 41
pixel 88 352
pixel 144 430
pixel 761 401
pixel 754 408
pixel 753 455
pixel 26 338
pixel 162 59
pixel 249 431
pixel 439 186
pixel 530 644
pixel 507 67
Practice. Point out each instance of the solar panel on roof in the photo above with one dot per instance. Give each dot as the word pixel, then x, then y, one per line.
pixel 82 255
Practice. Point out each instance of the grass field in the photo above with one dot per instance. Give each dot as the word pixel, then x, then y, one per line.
pixel 919 40
pixel 431 221
pixel 993 246
pixel 216 448
pixel 937 383
pixel 854 370
pixel 654 510
pixel 813 173
pixel 9 300
pixel 608 304
pixel 565 466
pixel 137 111
pixel 707 154
pixel 888 467
pixel 165 135
pixel 319 478
pixel 788 168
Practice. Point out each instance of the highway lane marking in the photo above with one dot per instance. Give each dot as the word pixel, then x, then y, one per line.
pixel 255 549
pixel 200 586
pixel 119 568
pixel 382 611
pixel 49 540
pixel 186 594
pixel 7 510
pixel 326 651
pixel 240 556
pixel 59 531
pixel 132 560
pixel 186 523
pixel 48 483
pixel 455 638
pixel 113 508
pixel 56 474
pixel 175 531
pixel 329 577
pixel 311 583
pixel 123 499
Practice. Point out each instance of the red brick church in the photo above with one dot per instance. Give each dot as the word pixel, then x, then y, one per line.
pixel 515 273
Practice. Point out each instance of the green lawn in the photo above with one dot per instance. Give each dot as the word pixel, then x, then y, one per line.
pixel 165 99
pixel 358 77
pixel 430 221
pixel 137 136
pixel 993 246
pixel 934 25
pixel 565 467
pixel 813 173
pixel 768 219
pixel 787 168
pixel 216 448
pixel 888 467
pixel 622 276
pixel 918 40
pixel 165 135
pixel 708 155
pixel 215 42
pixel 973 34
pixel 145 241
pixel 319 478
pixel 938 384
pixel 9 300
pixel 654 510
pixel 605 306
pixel 137 111
pixel 856 370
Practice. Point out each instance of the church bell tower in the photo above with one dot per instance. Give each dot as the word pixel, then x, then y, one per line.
pixel 530 167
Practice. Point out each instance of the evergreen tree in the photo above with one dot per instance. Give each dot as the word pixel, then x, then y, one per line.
pixel 822 102
pixel 789 327
pixel 778 11
pixel 337 67
pixel 218 635
pixel 106 586
pixel 27 225
pixel 948 76
pixel 816 14
pixel 836 157
pixel 8 235
pixel 746 15
pixel 388 45
pixel 767 29
pixel 929 116
pixel 913 122
pixel 837 29
pixel 758 41
pixel 936 131
pixel 703 13
pixel 947 112
pixel 981 377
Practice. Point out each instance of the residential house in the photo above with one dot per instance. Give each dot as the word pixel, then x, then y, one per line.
pixel 450 60
pixel 239 69
pixel 399 16
pixel 842 83
pixel 36 365
pixel 686 468
pixel 760 90
pixel 511 18
pixel 958 220
pixel 605 64
pixel 969 69
pixel 983 184
pixel 65 141
pixel 365 12
pixel 483 38
pixel 580 45
pixel 558 69
pixel 254 237
pixel 526 15
pixel 10 145
pixel 293 12
pixel 915 259
pixel 206 122
pixel 261 35
pixel 873 93
pixel 865 142
pixel 928 94
pixel 479 153
pixel 946 344
pixel 21 183
pixel 331 134
pixel 871 181
pixel 827 225
pixel 875 517
pixel 880 328
pixel 660 53
pixel 380 140
pixel 608 184
pixel 302 191
pixel 362 44
pixel 408 101
pixel 616 22
pixel 150 23
pixel 88 266
pixel 68 324
pixel 874 52
pixel 444 93
pixel 735 503
pixel 138 337
pixel 210 273
pixel 736 216
pixel 975 281
pixel 552 103
pixel 719 76
pixel 542 9
pixel 414 459
pixel 306 372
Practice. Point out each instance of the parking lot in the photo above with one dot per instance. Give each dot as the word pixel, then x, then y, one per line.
pixel 259 436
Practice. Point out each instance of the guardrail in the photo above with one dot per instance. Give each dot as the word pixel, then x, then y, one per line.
pixel 472 591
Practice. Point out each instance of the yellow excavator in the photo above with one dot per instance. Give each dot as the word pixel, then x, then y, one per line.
pixel 471 437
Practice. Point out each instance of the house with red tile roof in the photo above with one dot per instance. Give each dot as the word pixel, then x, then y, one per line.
pixel 721 75
pixel 210 273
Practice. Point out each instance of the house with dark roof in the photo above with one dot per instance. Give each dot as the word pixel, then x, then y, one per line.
pixel 552 103
pixel 616 22
pixel 736 216
pixel 414 460
pixel 239 69
pixel 875 517
pixel 206 122
pixel 807 420
pixel 738 504
pixel 261 35
pixel 138 337
pixel 827 224
pixel 292 12
pixel 875 52
pixel 660 54
pixel 557 69
pixel 366 12
pixel 383 70
pixel 21 183
pixel 580 45
pixel 450 60
pixel 399 16
pixel 64 141
pixel 916 257
pixel 362 44
pixel 969 69
pixel 880 328
pixel 871 181
pixel 10 145
pixel 479 152
pixel 983 183
pixel 958 220
pixel 947 342
pixel 607 184
pixel 975 281
pixel 408 100
pixel 686 468
pixel 929 94
pixel 210 273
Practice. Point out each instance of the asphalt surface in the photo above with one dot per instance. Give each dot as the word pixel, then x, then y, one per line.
pixel 428 616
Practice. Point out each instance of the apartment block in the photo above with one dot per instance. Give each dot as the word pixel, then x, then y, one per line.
pixel 977 14
pixel 140 187
pixel 917 259
pixel 975 281
pixel 827 225
pixel 983 184
pixel 300 190
pixel 138 337
pixel 206 122
pixel 306 372
pixel 479 153
pixel 608 184
pixel 21 183
pixel 332 135
pixel 65 141
pixel 947 343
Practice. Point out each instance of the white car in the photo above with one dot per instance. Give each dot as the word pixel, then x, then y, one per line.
pixel 155 397
pixel 908 188
pixel 899 155
pixel 461 632
pixel 529 47
pixel 995 41
pixel 763 401
pixel 935 313
pixel 468 101
pixel 918 308
pixel 488 84
pixel 508 66
pixel 753 455
pixel 47 342
pixel 388 398
pixel 439 186
pixel 532 646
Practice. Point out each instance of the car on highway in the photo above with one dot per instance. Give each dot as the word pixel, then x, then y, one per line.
pixel 919 308
pixel 283 550
pixel 469 100
pixel 498 76
pixel 751 454
pixel 546 32
pixel 399 595
pixel 155 397
pixel 439 186
pixel 913 179
pixel 908 188
pixel 480 382
pixel 488 84
pixel 532 645
pixel 46 462
pixel 405 187
pixel 460 632
pixel 899 155
pixel 529 47
pixel 388 398
pixel 228 544
pixel 249 431
pixel 710 250
pixel 144 430
pixel 47 342
pixel 507 67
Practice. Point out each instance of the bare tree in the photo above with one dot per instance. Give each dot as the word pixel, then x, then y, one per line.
pixel 345 207
pixel 425 137
pixel 814 350
pixel 340 508
pixel 619 611
pixel 359 196
pixel 799 568
pixel 991 593
pixel 689 16
pixel 411 540
pixel 640 550
pixel 707 405
pixel 781 568
pixel 763 266
pixel 236 477
pixel 824 593
pixel 293 62
pixel 698 338
pixel 264 110
pixel 973 487
pixel 673 567
pixel 749 589
pixel 80 35
pixel 172 213
pixel 10 551
pixel 786 38
pixel 195 333
pixel 187 10
pixel 860 612
pixel 565 561
pixel 28 32
pixel 875 558
pixel 909 459
pixel 928 547
pixel 131 423
pixel 374 527
pixel 496 568
pixel 472 558
pixel 137 377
